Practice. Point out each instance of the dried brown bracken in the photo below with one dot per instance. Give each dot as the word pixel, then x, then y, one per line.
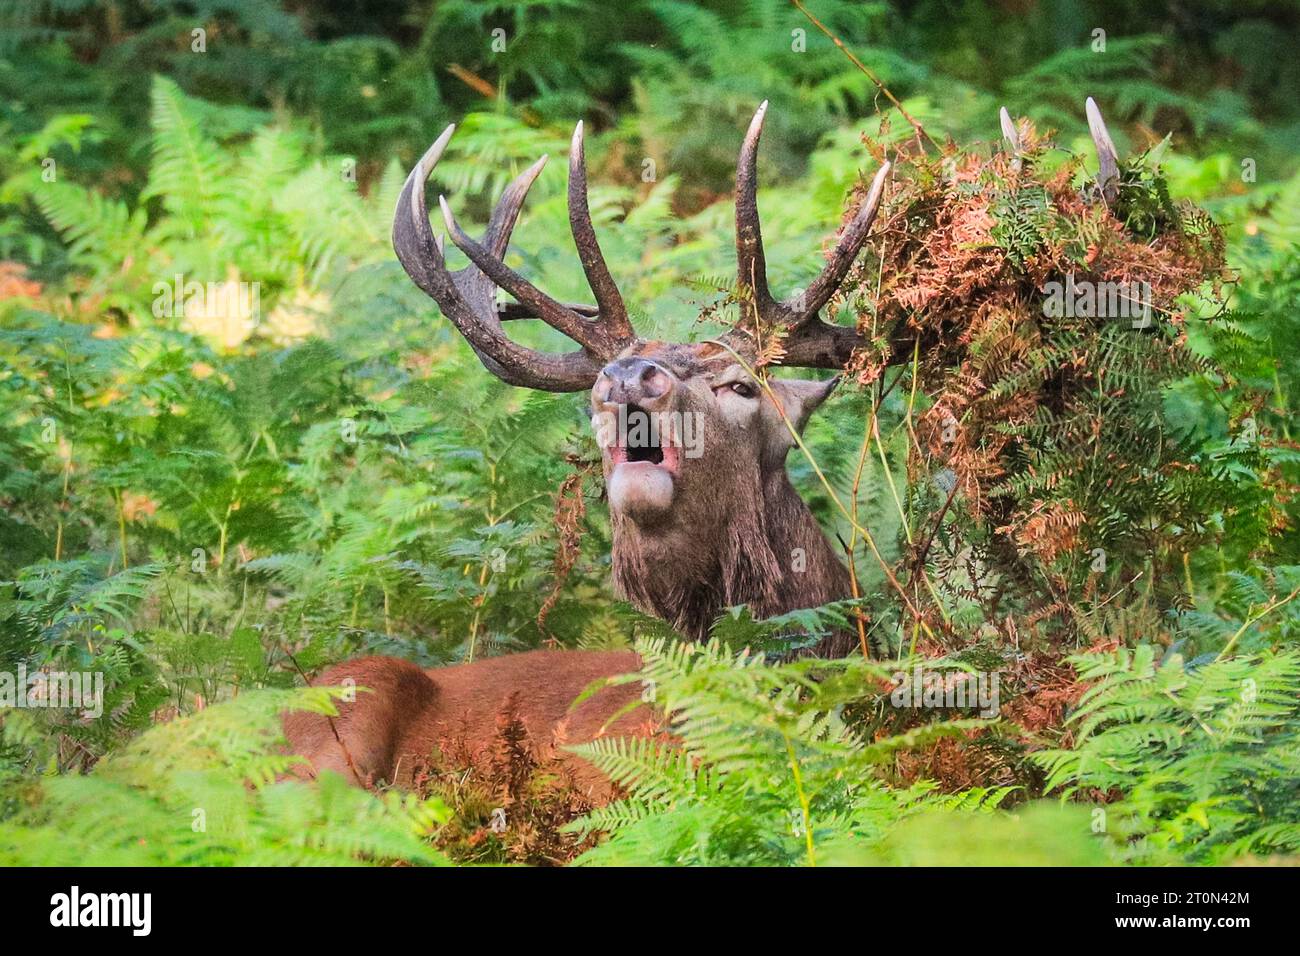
pixel 510 801
pixel 1038 421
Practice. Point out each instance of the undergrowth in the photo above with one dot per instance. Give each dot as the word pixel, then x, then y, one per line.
pixel 204 505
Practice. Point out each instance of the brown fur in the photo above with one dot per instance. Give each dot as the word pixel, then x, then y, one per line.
pixel 409 713
pixel 736 522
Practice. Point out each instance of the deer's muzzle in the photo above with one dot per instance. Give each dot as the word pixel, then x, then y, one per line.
pixel 633 381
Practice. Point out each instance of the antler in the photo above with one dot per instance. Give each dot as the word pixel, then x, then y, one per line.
pixel 468 296
pixel 1012 136
pixel 1107 157
pixel 810 342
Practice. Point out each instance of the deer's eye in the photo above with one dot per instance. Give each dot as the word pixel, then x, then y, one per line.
pixel 743 389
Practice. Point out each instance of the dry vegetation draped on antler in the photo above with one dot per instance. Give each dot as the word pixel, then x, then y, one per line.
pixel 1044 418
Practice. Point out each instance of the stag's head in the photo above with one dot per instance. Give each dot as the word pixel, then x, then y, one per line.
pixel 685 428
pixel 682 426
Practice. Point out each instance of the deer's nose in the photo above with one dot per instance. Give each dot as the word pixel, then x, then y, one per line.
pixel 633 381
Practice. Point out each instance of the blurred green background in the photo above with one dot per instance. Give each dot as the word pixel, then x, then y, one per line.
pixel 666 81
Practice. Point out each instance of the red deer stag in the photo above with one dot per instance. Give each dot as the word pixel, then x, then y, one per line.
pixel 696 527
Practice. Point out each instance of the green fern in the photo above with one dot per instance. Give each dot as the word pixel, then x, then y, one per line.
pixel 1204 753
pixel 187 168
pixel 767 772
pixel 204 791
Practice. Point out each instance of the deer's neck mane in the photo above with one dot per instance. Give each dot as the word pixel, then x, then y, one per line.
pixel 770 554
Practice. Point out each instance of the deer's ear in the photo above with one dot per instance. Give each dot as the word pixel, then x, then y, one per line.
pixel 801 397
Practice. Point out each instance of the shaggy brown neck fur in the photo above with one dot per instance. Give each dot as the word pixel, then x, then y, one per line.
pixel 686 576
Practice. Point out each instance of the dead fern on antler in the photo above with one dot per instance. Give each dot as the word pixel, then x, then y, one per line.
pixel 1048 321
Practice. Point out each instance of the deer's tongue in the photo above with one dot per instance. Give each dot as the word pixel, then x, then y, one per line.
pixel 641 490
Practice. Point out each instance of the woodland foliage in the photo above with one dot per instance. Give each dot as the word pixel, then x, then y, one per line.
pixel 208 499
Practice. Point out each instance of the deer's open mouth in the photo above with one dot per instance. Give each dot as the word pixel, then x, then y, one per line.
pixel 645 439
pixel 644 459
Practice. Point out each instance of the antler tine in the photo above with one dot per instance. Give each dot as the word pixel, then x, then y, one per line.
pixel 513 311
pixel 810 342
pixel 751 264
pixel 563 320
pixel 1012 136
pixel 612 311
pixel 1107 156
pixel 1009 131
pixel 462 296
pixel 413 240
pixel 478 289
pixel 821 289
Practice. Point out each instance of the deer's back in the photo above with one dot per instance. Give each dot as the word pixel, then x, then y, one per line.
pixel 409 714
